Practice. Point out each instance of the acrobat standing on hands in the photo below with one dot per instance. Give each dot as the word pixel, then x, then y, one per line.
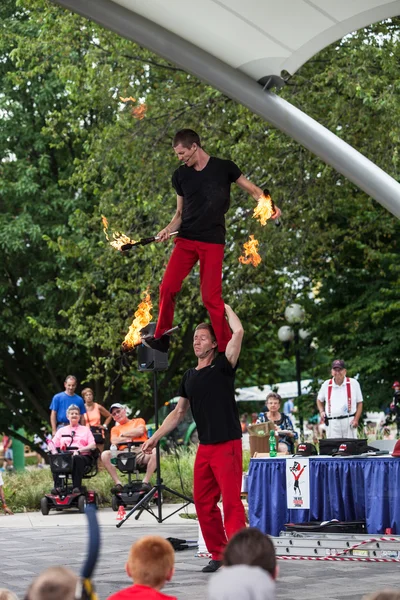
pixel 202 184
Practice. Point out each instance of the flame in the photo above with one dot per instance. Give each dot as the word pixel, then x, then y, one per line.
pixel 264 209
pixel 139 112
pixel 130 99
pixel 251 255
pixel 142 318
pixel 119 239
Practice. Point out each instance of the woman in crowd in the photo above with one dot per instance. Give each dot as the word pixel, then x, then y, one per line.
pixel 81 438
pixel 92 417
pixel 283 424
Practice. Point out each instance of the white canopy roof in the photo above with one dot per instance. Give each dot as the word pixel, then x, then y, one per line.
pixel 262 38
pixel 287 389
pixel 235 45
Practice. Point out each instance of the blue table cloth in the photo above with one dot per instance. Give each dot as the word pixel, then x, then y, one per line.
pixel 347 489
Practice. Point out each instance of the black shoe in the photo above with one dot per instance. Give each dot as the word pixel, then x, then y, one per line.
pixel 145 487
pixel 212 566
pixel 54 492
pixel 117 489
pixel 161 344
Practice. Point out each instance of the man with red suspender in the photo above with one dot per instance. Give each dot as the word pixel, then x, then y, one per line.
pixel 209 389
pixel 340 403
pixel 202 184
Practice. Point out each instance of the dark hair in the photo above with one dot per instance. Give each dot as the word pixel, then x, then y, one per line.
pixel 251 547
pixel 186 137
pixel 209 329
pixel 273 395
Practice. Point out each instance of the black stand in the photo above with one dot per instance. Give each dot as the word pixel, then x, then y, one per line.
pixel 159 487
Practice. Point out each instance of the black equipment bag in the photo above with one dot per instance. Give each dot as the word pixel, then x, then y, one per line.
pixel 343 446
pixel 126 462
pixel 333 526
pixel 98 434
pixel 61 463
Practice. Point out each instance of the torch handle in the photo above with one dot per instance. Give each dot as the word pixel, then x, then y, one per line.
pixel 144 241
pixel 276 221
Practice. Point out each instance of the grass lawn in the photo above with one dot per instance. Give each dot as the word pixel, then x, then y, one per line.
pixel 24 490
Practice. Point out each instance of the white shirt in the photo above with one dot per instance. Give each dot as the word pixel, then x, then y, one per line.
pixel 339 397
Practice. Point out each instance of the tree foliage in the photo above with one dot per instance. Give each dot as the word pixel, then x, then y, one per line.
pixel 71 151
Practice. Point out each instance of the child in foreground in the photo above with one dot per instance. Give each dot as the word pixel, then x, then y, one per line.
pixel 150 564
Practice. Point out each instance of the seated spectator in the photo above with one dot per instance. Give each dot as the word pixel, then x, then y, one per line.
pixel 92 417
pixel 55 583
pixel 251 568
pixel 7 511
pixel 7 594
pixel 150 564
pixel 283 425
pixel 81 438
pixel 129 430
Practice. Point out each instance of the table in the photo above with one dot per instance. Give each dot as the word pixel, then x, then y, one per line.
pixel 347 489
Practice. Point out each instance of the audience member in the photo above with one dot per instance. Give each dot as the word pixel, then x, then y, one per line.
pixel 340 403
pixel 383 595
pixel 284 430
pixel 61 401
pixel 251 568
pixel 7 594
pixel 8 453
pixel 150 565
pixel 92 417
pixel 250 546
pixel 7 511
pixel 81 439
pixel 134 431
pixel 55 583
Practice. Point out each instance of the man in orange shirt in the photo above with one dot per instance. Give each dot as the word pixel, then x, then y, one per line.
pixel 128 430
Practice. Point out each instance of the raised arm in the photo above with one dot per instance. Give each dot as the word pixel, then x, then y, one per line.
pixel 235 343
pixel 175 223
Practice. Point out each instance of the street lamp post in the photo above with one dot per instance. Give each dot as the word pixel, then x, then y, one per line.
pixel 295 315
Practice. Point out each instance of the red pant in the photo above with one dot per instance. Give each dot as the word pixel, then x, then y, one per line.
pixel 184 256
pixel 218 471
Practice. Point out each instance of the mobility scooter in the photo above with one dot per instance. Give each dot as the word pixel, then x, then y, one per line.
pixel 64 497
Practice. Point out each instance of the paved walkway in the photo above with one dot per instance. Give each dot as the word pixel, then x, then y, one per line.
pixel 30 542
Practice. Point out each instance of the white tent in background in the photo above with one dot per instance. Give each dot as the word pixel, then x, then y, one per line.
pixel 245 48
pixel 287 389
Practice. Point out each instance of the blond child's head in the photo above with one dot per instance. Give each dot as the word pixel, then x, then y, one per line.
pixel 151 561
pixel 7 594
pixel 54 583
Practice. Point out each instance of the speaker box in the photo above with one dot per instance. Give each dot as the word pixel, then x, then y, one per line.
pixel 149 359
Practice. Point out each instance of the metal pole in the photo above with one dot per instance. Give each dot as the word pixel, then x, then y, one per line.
pixel 158 458
pixel 298 377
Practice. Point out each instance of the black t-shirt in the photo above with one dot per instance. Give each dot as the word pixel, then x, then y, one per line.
pixel 206 199
pixel 211 392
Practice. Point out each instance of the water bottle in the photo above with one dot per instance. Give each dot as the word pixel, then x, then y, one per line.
pixel 114 453
pixel 272 444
